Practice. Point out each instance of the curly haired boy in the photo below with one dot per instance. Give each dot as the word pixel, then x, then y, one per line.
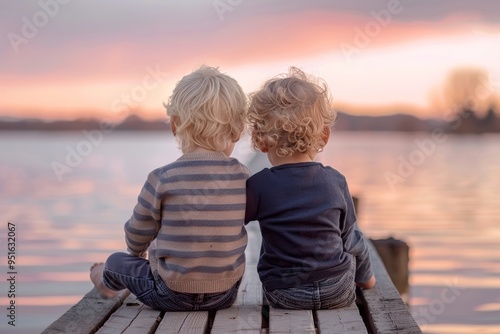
pixel 312 253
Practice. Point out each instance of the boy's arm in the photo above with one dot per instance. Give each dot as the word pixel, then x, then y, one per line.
pixel 145 222
pixel 251 203
pixel 355 244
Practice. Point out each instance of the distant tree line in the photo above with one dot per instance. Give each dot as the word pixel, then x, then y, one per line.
pixel 461 122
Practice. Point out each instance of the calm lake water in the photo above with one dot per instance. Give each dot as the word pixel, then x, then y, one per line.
pixel 440 195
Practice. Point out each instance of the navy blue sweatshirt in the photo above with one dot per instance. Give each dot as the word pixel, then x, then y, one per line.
pixel 308 225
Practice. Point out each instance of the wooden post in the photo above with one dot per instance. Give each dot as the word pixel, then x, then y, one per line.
pixel 395 256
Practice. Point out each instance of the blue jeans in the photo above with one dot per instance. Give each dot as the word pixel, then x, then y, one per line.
pixel 325 294
pixel 124 271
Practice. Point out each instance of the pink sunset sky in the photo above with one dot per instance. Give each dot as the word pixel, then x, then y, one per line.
pixel 107 59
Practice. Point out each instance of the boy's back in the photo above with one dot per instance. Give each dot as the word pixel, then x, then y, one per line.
pixel 305 213
pixel 201 241
pixel 189 213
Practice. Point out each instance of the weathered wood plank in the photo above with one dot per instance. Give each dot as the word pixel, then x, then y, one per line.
pixel 386 311
pixel 131 317
pixel 122 317
pixel 291 321
pixel 238 319
pixel 87 315
pixel 184 323
pixel 250 291
pixel 146 322
pixel 344 320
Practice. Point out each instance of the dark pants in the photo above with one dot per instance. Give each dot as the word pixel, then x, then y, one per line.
pixel 325 294
pixel 124 271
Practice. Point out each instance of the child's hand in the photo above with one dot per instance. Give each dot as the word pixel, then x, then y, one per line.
pixel 368 284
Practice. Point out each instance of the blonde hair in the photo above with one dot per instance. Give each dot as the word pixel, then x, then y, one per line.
pixel 289 114
pixel 207 109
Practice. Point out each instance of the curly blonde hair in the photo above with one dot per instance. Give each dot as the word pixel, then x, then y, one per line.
pixel 208 110
pixel 289 114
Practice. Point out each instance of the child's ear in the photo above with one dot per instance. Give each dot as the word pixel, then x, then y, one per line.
pixel 172 124
pixel 263 149
pixel 326 134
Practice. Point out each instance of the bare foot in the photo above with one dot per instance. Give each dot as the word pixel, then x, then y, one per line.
pixel 96 278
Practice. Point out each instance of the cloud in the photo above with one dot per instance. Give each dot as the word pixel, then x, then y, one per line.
pixel 99 39
pixel 93 44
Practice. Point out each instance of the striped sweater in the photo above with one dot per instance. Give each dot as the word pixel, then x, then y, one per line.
pixel 191 212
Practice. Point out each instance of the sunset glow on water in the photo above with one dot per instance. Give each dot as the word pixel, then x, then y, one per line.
pixel 446 211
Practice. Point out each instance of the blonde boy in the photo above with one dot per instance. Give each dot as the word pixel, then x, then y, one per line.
pixel 312 252
pixel 192 210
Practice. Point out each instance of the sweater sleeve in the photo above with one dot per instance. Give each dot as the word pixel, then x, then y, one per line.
pixel 145 222
pixel 354 241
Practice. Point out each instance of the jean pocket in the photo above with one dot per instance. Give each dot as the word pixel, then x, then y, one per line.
pixel 216 301
pixel 291 298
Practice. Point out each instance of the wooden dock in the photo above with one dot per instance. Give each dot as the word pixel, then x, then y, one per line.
pixel 378 310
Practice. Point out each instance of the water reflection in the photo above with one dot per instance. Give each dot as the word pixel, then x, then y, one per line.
pixel 447 210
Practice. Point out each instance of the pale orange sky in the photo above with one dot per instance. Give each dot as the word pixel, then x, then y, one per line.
pixel 110 60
